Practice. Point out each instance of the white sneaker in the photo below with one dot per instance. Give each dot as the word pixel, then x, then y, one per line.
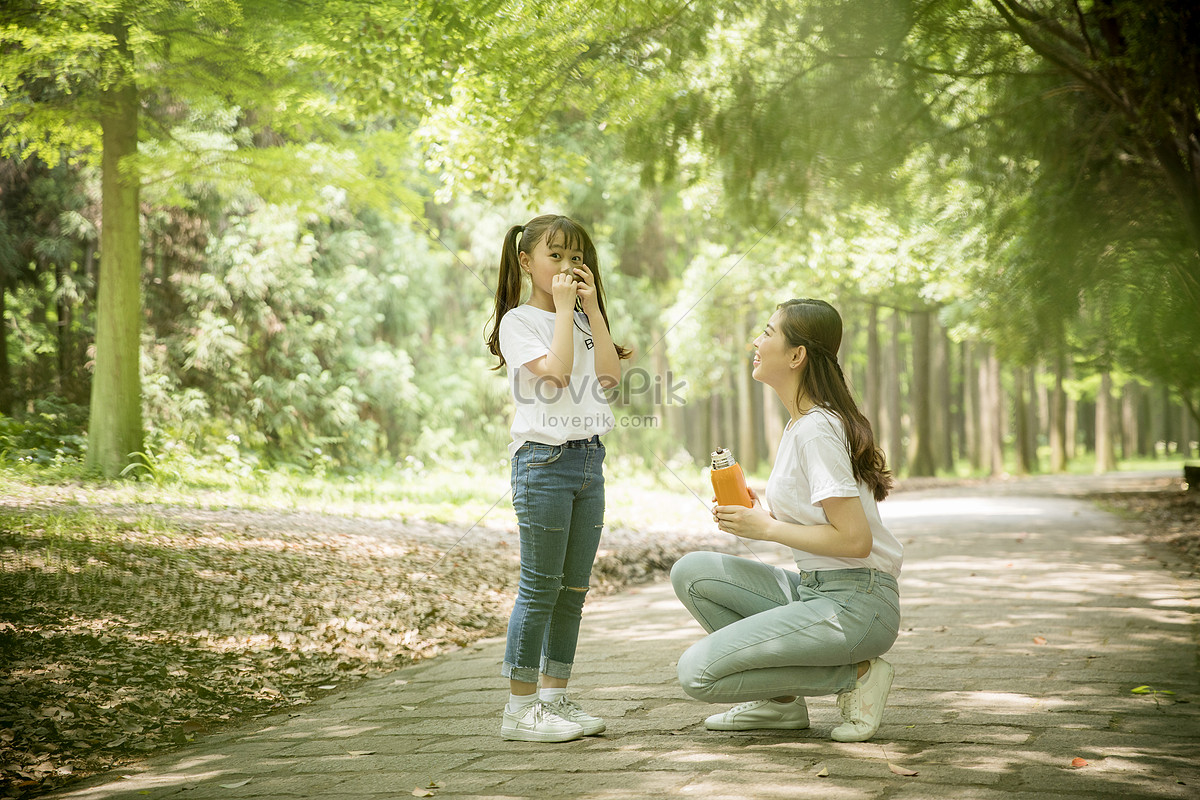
pixel 537 723
pixel 759 714
pixel 862 706
pixel 572 712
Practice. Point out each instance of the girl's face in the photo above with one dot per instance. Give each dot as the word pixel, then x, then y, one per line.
pixel 774 360
pixel 550 256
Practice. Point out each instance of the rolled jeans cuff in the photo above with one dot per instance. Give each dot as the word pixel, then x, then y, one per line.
pixel 521 674
pixel 555 669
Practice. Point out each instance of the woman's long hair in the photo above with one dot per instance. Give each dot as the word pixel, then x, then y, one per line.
pixel 818 327
pixel 522 239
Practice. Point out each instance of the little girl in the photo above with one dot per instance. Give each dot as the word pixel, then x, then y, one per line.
pixel 777 636
pixel 560 360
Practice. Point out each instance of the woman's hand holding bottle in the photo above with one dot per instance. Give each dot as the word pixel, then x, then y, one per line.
pixel 748 523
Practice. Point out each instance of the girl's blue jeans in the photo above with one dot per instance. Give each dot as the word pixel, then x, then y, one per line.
pixel 558 494
pixel 774 632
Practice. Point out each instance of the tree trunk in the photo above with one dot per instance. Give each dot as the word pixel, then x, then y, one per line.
pixel 115 422
pixel 874 369
pixel 746 431
pixel 922 403
pixel 972 413
pixel 996 409
pixel 943 411
pixel 1130 435
pixel 773 422
pixel 991 438
pixel 1187 430
pixel 1072 439
pixel 895 430
pixel 702 434
pixel 1058 417
pixel 712 426
pixel 1157 427
pixel 1041 418
pixel 1105 460
pixel 1023 399
pixel 1169 434
pixel 961 450
pixel 985 405
pixel 60 328
pixel 729 426
pixel 1146 430
pixel 669 412
pixel 1190 406
pixel 766 449
pixel 6 392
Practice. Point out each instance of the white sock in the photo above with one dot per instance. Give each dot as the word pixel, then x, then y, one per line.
pixel 519 702
pixel 550 695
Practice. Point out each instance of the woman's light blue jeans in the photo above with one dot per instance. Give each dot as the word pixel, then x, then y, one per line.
pixel 558 494
pixel 774 632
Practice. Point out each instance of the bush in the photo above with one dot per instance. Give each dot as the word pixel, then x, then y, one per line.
pixel 53 433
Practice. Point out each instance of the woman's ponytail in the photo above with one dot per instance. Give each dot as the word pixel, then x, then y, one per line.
pixel 818 327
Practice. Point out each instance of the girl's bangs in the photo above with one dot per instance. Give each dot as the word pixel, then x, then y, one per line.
pixel 566 231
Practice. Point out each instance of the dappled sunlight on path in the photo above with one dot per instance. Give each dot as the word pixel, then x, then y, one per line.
pixel 1037 630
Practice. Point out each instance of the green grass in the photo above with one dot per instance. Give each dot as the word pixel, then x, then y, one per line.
pixel 638 496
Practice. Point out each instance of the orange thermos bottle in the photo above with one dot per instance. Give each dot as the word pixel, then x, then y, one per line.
pixel 729 484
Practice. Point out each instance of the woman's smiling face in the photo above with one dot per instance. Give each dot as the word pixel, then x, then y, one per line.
pixel 773 357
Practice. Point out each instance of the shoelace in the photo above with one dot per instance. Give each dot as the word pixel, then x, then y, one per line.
pixel 566 708
pixel 740 707
pixel 846 702
pixel 541 711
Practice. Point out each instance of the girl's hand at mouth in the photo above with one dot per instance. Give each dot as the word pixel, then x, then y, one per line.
pixel 563 289
pixel 586 283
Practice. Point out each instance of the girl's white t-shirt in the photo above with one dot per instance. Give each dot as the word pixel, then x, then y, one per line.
pixel 813 464
pixel 545 413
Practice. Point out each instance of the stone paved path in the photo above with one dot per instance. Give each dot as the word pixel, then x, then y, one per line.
pixel 1029 617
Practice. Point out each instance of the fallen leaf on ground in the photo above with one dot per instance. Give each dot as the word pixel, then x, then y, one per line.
pixel 419 792
pixel 905 771
pixel 1039 640
pixel 1079 762
pixel 824 773
pixel 235 785
pixel 361 752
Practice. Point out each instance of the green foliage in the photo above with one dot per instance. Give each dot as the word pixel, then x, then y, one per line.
pixel 51 435
pixel 303 341
pixel 318 264
pixel 984 156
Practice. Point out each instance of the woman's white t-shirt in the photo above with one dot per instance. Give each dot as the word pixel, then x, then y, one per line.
pixel 545 413
pixel 814 464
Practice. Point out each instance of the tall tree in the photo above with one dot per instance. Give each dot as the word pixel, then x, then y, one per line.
pixel 209 84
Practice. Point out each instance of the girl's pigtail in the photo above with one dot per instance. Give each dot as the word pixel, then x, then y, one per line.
pixel 508 290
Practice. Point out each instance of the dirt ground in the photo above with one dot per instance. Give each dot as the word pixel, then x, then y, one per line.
pixel 1166 512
